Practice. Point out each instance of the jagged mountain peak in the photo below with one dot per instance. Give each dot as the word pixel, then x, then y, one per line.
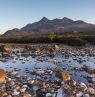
pixel 44 19
pixel 67 19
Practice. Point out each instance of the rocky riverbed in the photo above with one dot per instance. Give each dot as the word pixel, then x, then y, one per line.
pixel 48 71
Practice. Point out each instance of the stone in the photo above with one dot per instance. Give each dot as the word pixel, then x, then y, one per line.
pixel 26 94
pixel 14 73
pixel 4 94
pixel 87 95
pixel 74 83
pixel 3 76
pixel 48 95
pixel 16 93
pixel 37 51
pixel 91 90
pixel 83 86
pixel 23 90
pixel 80 94
pixel 65 76
pixel 12 82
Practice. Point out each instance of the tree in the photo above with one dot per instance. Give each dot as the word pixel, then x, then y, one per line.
pixel 52 35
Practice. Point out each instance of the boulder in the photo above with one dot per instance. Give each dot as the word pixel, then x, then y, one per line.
pixel 3 76
pixel 8 48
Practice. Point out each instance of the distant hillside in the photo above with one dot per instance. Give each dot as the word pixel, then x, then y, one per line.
pixel 15 33
pixel 46 26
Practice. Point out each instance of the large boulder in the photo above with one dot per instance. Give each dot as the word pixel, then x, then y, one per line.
pixel 8 48
pixel 3 76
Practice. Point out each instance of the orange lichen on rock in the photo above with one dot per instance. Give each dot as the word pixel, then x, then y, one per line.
pixel 37 51
pixel 8 48
pixel 3 76
pixel 65 76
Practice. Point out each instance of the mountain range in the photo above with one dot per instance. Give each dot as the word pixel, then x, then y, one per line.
pixel 46 26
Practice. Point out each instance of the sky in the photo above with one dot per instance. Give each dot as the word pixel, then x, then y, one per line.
pixel 18 13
